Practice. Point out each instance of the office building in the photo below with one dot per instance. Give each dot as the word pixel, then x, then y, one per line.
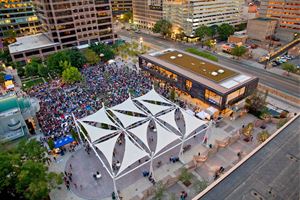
pixel 120 6
pixel 261 28
pixel 19 16
pixel 211 83
pixel 146 12
pixel 66 24
pixel 287 12
pixel 189 15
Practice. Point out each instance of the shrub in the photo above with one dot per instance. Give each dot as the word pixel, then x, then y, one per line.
pixel 51 144
pixel 263 136
pixel 202 54
pixel 281 122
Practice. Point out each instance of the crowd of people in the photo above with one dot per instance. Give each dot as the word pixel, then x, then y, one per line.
pixel 109 84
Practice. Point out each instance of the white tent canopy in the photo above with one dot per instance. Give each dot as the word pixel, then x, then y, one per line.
pixel 127 105
pixel 96 133
pixel 211 110
pixel 107 148
pixel 152 95
pixel 170 119
pixel 154 108
pixel 164 137
pixel 131 154
pixel 100 116
pixel 191 123
pixel 141 132
pixel 127 120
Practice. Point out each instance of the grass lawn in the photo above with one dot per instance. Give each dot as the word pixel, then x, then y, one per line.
pixel 30 83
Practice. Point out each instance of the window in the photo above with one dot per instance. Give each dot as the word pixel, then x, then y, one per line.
pixel 213 97
pixel 235 94
pixel 188 85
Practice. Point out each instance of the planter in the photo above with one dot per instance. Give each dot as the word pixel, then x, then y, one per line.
pixel 187 183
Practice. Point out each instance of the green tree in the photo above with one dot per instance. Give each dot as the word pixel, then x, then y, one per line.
pixel 213 30
pixel 43 70
pixel 289 67
pixel 238 51
pixel 75 57
pixel 53 62
pixel 31 68
pixel 203 32
pixel 71 75
pixel 64 64
pixel 5 57
pixel 2 80
pixel 257 102
pixel 185 176
pixel 103 49
pixel 23 172
pixel 126 17
pixel 10 36
pixel 241 27
pixel 225 30
pixel 21 71
pixel 91 56
pixel 163 27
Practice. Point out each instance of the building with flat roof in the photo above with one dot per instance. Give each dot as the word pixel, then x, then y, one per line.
pixel 68 24
pixel 189 15
pixel 212 83
pixel 261 28
pixel 121 6
pixel 16 116
pixel 146 12
pixel 19 16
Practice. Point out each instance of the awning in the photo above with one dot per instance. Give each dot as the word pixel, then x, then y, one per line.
pixel 152 95
pixel 96 133
pixel 63 141
pixel 170 119
pixel 127 105
pixel 154 108
pixel 211 110
pixel 141 132
pixel 127 120
pixel 132 154
pixel 8 77
pixel 100 116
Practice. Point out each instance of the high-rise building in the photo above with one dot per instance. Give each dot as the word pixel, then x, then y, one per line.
pixel 18 16
pixel 146 12
pixel 66 24
pixel 190 14
pixel 287 12
pixel 121 6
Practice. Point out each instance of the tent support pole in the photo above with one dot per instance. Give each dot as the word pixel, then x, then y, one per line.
pixel 151 165
pixel 78 132
pixel 181 150
pixel 115 187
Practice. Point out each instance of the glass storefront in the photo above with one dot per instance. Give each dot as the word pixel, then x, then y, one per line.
pixel 213 97
pixel 162 71
pixel 188 84
pixel 235 94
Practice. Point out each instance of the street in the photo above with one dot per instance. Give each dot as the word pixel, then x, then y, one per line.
pixel 281 83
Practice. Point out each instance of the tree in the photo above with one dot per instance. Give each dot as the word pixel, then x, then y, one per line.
pixel 241 27
pixel 107 51
pixel 185 177
pixel 10 36
pixel 2 80
pixel 53 62
pixel 203 31
pixel 225 30
pixel 213 30
pixel 64 64
pixel 5 57
pixel 256 103
pixel 23 172
pixel 71 75
pixel 289 67
pixel 75 57
pixel 263 136
pixel 238 51
pixel 43 70
pixel 163 27
pixel 90 56
pixel 31 68
pixel 126 17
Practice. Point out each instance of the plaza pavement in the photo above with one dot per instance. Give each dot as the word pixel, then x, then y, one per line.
pixel 132 185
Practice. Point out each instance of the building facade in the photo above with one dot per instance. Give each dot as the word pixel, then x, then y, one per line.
pixel 17 116
pixel 287 12
pixel 147 12
pixel 190 14
pixel 212 84
pixel 66 24
pixel 121 6
pixel 261 28
pixel 19 16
